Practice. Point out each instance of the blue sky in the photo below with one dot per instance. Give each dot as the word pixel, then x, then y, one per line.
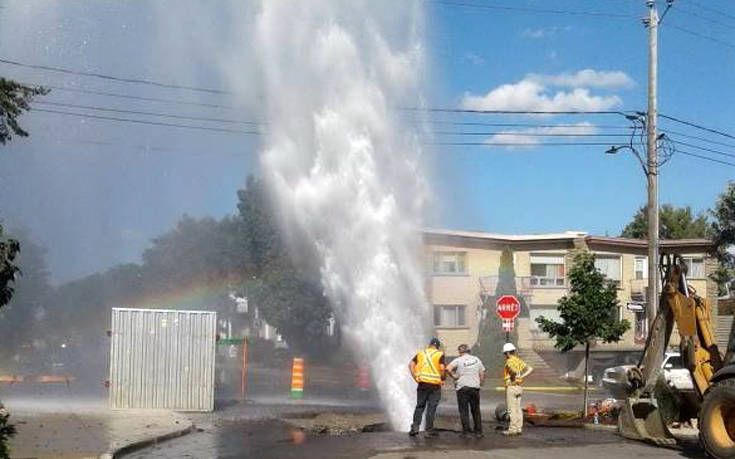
pixel 95 192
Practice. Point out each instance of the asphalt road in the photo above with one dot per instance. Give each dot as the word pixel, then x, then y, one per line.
pixel 259 431
pixel 278 439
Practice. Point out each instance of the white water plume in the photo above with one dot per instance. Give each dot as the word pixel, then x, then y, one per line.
pixel 347 173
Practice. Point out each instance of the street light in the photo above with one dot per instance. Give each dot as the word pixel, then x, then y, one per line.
pixel 641 141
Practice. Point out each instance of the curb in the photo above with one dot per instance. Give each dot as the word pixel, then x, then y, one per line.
pixel 140 444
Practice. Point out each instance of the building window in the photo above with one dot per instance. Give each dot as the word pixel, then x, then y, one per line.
pixel 695 267
pixel 641 268
pixel 449 316
pixel 549 312
pixel 450 262
pixel 547 270
pixel 610 266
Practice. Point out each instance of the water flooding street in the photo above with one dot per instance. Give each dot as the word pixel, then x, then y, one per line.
pixel 276 438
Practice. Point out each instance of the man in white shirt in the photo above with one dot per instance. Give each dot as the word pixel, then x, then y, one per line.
pixel 469 374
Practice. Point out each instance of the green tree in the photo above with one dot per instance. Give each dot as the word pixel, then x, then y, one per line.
pixel 723 235
pixel 19 318
pixel 15 98
pixel 588 313
pixel 491 336
pixel 674 223
pixel 9 249
pixel 7 430
pixel 287 292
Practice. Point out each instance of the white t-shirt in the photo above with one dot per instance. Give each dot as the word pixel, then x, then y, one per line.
pixel 468 368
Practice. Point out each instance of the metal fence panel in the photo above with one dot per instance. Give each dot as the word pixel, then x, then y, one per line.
pixel 162 359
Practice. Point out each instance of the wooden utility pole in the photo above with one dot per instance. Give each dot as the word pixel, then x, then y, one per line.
pixel 652 170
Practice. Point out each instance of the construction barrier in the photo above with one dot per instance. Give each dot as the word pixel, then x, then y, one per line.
pixel 297 378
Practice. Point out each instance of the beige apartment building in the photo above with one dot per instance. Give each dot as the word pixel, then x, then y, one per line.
pixel 463 272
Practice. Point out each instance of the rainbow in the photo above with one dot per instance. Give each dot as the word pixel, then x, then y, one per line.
pixel 202 293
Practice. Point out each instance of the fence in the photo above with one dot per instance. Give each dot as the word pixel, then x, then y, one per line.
pixel 162 359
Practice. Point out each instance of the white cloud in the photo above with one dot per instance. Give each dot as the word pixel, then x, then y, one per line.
pixel 533 92
pixel 587 78
pixel 533 136
pixel 534 96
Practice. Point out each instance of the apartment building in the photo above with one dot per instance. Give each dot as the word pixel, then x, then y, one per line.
pixel 464 269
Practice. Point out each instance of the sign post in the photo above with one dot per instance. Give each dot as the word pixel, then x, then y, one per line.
pixel 507 307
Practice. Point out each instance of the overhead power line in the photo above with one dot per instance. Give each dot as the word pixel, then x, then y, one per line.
pixel 528 125
pixel 521 144
pixel 136 112
pixel 694 137
pixel 487 6
pixel 132 97
pixel 720 12
pixel 112 78
pixel 718 152
pixel 706 158
pixel 529 134
pixel 514 112
pixel 694 125
pixel 701 35
pixel 705 18
pixel 152 123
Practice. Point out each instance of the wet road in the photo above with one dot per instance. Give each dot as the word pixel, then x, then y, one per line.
pixel 277 439
pixel 259 431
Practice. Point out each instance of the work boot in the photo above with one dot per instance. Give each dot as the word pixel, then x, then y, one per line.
pixel 413 433
pixel 432 433
pixel 479 435
pixel 464 435
pixel 508 433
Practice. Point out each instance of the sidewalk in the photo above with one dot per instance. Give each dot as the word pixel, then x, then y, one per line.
pixel 97 433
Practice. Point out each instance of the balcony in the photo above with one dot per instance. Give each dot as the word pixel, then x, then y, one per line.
pixel 638 290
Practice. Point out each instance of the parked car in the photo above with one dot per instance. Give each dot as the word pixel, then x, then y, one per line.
pixel 615 379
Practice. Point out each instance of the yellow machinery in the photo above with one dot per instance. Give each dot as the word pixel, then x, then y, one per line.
pixel 714 382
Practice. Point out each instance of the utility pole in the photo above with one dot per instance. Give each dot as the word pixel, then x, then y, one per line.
pixel 652 169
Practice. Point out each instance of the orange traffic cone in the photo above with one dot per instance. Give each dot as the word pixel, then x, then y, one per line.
pixel 363 377
pixel 297 378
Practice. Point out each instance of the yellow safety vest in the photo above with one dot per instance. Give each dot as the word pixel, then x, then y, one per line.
pixel 515 366
pixel 428 368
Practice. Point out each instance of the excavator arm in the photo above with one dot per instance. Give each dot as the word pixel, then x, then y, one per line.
pixel 679 306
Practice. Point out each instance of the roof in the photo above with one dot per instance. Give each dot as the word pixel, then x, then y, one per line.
pixel 560 241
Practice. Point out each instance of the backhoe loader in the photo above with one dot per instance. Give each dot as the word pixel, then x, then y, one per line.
pixel 714 377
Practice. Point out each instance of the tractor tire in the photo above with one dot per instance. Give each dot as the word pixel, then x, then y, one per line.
pixel 717 420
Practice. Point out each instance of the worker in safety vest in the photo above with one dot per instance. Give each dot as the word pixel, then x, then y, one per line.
pixel 427 368
pixel 514 371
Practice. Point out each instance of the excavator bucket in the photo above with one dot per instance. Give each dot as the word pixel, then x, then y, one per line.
pixel 641 419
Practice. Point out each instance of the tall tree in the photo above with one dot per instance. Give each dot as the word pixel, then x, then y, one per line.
pixel 491 336
pixel 723 233
pixel 15 98
pixel 674 223
pixel 287 293
pixel 19 318
pixel 588 313
pixel 9 249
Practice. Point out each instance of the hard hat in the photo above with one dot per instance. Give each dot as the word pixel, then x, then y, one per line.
pixel 435 342
pixel 508 347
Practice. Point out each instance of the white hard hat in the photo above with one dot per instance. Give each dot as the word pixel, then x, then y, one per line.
pixel 508 347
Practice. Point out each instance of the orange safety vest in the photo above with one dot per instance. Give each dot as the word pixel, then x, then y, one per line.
pixel 428 368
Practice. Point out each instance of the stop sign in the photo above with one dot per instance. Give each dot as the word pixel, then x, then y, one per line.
pixel 507 307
